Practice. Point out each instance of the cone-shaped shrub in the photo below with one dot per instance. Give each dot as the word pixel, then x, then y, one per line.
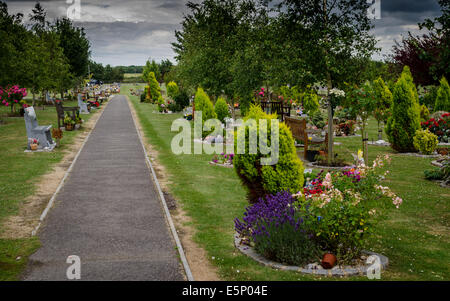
pixel 383 99
pixel 221 109
pixel 443 97
pixel 405 120
pixel 172 90
pixel 310 101
pixel 155 90
pixel 204 104
pixel 285 175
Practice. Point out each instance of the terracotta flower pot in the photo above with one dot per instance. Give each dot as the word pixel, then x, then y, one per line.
pixel 328 261
pixel 33 146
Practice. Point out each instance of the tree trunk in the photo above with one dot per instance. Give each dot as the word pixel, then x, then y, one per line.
pixel 364 142
pixel 329 87
pixel 34 99
pixel 330 121
pixel 233 111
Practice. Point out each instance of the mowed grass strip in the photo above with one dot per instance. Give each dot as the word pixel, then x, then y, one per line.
pixel 20 172
pixel 414 237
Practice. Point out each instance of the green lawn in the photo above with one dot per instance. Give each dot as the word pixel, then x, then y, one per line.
pixel 414 237
pixel 20 172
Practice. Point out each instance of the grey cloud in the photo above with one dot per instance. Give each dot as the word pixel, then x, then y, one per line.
pixel 128 32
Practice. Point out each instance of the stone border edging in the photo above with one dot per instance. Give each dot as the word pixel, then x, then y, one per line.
pixel 336 271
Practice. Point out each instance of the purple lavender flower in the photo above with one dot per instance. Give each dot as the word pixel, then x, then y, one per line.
pixel 273 211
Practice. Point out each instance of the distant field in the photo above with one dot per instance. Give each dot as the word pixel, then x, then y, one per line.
pixel 129 75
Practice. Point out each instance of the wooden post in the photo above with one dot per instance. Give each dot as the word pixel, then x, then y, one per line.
pixel 330 132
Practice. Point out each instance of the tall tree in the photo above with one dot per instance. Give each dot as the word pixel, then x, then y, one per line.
pixel 164 68
pixel 13 37
pixel 325 35
pixel 428 56
pixel 208 42
pixel 75 45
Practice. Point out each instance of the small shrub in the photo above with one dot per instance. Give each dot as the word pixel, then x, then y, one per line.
pixel 424 113
pixel 142 97
pixel 433 174
pixel 172 90
pixel 221 109
pixel 182 99
pixel 204 104
pixel 310 101
pixel 154 88
pixel 161 104
pixel 318 119
pixel 425 141
pixel 443 96
pixel 285 175
pixel 173 106
pixel 429 99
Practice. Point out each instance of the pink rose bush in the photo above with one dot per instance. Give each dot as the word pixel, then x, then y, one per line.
pixel 12 95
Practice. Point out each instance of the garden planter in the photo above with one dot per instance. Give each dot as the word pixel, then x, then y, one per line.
pixel 311 155
pixel 33 146
pixel 328 261
pixel 69 127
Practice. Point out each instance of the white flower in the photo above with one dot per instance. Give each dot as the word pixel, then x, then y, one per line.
pixel 337 92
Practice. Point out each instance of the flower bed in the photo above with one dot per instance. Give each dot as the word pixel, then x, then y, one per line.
pixel 223 159
pixel 345 129
pixel 439 127
pixel 333 214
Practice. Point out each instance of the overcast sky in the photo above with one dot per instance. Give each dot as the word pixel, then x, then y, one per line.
pixel 129 32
